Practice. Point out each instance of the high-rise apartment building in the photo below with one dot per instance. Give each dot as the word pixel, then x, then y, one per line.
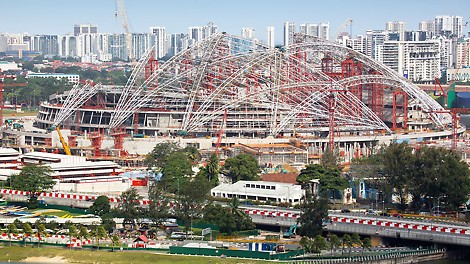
pixel 289 31
pixel 48 45
pixel 448 26
pixel 248 32
pixel 420 59
pixel 159 39
pixel 320 30
pixel 85 29
pixel 398 27
pixel 270 37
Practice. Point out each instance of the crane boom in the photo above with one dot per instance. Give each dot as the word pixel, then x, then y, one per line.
pixel 62 140
pixel 121 11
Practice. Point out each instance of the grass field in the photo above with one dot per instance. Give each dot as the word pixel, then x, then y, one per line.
pixel 7 113
pixel 17 253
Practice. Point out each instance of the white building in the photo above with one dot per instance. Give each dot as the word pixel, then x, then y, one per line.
pixel 270 37
pixel 419 60
pixel 398 27
pixel 160 41
pixel 71 78
pixel 462 56
pixel 9 65
pixel 248 33
pixel 76 174
pixel 260 191
pixel 448 26
pixel 289 31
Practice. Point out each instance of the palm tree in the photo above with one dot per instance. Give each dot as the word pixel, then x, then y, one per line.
pixel 99 234
pixel 12 230
pixel 41 232
pixel 83 233
pixel 27 230
pixel 115 241
pixel 72 233
pixel 334 241
pixel 365 243
pixel 346 240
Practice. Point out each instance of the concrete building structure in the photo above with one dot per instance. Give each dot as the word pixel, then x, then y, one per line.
pixel 260 191
pixel 71 78
pixel 419 60
pixel 270 37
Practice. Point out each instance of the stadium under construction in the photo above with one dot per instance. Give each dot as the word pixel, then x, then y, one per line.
pixel 226 90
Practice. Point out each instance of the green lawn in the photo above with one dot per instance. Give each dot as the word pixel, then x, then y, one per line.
pixel 16 253
pixel 7 113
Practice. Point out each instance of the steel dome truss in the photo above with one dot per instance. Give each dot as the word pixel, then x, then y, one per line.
pixel 78 95
pixel 265 90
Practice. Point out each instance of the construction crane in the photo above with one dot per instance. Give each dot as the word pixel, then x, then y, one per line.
pixel 2 89
pixel 121 12
pixel 62 141
pixel 346 23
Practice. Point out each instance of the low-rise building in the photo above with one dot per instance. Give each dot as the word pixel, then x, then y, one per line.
pixel 260 191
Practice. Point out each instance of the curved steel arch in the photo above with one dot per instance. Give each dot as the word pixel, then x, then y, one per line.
pixel 210 76
pixel 409 88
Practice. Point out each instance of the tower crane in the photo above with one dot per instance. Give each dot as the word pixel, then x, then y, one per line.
pixel 346 23
pixel 121 12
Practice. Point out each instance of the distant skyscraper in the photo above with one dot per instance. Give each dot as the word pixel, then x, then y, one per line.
pixel 210 29
pixel 159 40
pixel 289 30
pixel 48 45
pixel 248 33
pixel 426 26
pixel 85 29
pixel 320 30
pixel 448 26
pixel 270 38
pixel 398 27
pixel 196 33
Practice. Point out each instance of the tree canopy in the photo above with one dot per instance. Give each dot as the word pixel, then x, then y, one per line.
pixel 314 212
pixel 33 179
pixel 330 178
pixel 241 167
pixel 229 218
pixel 101 205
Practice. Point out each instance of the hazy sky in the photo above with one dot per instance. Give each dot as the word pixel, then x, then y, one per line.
pixel 59 16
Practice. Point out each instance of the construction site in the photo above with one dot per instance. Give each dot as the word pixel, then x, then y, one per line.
pixel 230 94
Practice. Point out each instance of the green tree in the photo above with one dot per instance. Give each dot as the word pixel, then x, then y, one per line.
pixel 41 232
pixel 11 230
pixel 306 244
pixel 193 154
pixel 34 179
pixel 347 241
pixel 211 170
pixel 319 244
pixel 27 230
pixel 229 219
pixel 191 200
pixel 355 239
pixel 241 167
pixel 83 234
pixel 439 175
pixel 397 160
pixel 176 172
pixel 115 241
pixel 334 242
pixel 330 179
pixel 129 207
pixel 18 223
pixel 72 232
pixel 158 208
pixel 101 205
pixel 366 243
pixel 99 233
pixel 314 211
pixel 156 159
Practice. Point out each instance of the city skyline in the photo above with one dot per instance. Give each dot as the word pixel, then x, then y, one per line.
pixel 42 17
